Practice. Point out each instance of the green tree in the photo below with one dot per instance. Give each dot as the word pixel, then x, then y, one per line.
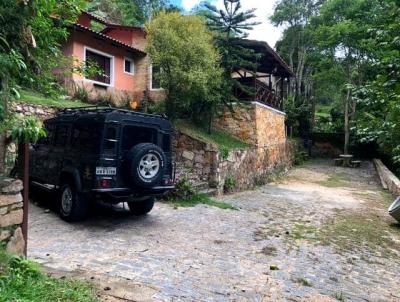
pixel 378 100
pixel 30 35
pixel 297 47
pixel 129 12
pixel 341 28
pixel 181 47
pixel 229 26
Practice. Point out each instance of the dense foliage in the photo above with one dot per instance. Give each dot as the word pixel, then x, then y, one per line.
pixel 181 47
pixel 229 26
pixel 378 99
pixel 345 54
pixel 30 35
pixel 129 12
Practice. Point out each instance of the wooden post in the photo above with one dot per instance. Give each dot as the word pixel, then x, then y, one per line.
pixel 23 158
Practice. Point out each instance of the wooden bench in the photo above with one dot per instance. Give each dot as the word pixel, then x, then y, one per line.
pixel 356 163
pixel 338 162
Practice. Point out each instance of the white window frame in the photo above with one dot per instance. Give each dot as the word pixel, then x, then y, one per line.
pixel 132 66
pixel 151 80
pixel 112 62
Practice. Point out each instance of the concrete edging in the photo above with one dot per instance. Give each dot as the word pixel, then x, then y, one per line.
pixel 388 179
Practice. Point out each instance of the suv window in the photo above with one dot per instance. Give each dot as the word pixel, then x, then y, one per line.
pixel 61 135
pixel 133 135
pixel 86 137
pixel 110 139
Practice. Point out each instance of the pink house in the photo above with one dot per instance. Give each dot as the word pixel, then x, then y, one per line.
pixel 119 51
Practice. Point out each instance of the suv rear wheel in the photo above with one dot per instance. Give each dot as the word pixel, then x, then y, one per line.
pixel 147 164
pixel 141 207
pixel 73 205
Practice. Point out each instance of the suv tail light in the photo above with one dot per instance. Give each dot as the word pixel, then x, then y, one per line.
pixel 104 183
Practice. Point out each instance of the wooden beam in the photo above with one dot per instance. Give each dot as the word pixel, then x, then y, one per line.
pixel 23 151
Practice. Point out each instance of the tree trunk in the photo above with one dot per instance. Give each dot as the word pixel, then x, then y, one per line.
pixel 300 71
pixel 346 123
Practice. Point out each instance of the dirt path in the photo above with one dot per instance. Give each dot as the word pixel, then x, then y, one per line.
pixel 319 234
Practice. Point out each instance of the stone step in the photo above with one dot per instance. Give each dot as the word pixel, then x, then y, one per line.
pixel 209 192
pixel 200 185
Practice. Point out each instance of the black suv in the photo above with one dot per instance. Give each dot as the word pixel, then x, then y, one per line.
pixel 106 154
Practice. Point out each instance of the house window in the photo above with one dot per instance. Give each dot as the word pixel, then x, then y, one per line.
pixel 129 66
pixel 155 83
pixel 104 63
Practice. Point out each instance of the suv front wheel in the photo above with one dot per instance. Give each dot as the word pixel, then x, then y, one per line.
pixel 141 207
pixel 73 206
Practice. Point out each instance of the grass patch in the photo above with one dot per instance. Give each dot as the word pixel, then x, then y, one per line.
pixel 336 180
pixel 217 137
pixel 39 99
pixel 354 231
pixel 22 280
pixel 303 231
pixel 303 281
pixel 200 198
pixel 339 296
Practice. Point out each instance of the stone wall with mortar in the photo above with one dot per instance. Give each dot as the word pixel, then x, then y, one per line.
pixel 193 158
pixel 11 215
pixel 240 123
pixel 270 125
pixel 254 123
pixel 203 162
pixel 254 166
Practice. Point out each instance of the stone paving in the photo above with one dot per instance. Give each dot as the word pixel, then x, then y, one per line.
pixel 270 249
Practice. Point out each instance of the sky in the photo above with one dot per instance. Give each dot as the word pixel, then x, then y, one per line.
pixel 264 32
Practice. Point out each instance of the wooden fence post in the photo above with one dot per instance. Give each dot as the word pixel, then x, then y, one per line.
pixel 23 162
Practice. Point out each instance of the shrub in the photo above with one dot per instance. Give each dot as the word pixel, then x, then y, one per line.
pixel 183 189
pixel 81 93
pixel 224 153
pixel 229 183
pixel 156 107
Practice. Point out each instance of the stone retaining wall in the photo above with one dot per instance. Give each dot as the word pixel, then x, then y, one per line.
pixel 388 179
pixel 253 166
pixel 194 158
pixel 11 215
pixel 254 123
pixel 200 161
pixel 39 111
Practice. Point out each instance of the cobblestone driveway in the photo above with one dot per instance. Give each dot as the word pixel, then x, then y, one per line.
pixel 320 234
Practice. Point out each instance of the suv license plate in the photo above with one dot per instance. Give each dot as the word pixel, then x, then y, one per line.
pixel 106 170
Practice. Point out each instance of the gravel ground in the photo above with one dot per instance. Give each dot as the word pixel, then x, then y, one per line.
pixel 320 233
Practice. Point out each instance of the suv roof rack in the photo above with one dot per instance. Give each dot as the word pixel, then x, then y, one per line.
pixel 106 109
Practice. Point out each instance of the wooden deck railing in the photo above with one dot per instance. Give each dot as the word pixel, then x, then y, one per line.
pixel 262 93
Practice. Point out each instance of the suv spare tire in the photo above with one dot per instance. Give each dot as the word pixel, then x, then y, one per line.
pixel 146 165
